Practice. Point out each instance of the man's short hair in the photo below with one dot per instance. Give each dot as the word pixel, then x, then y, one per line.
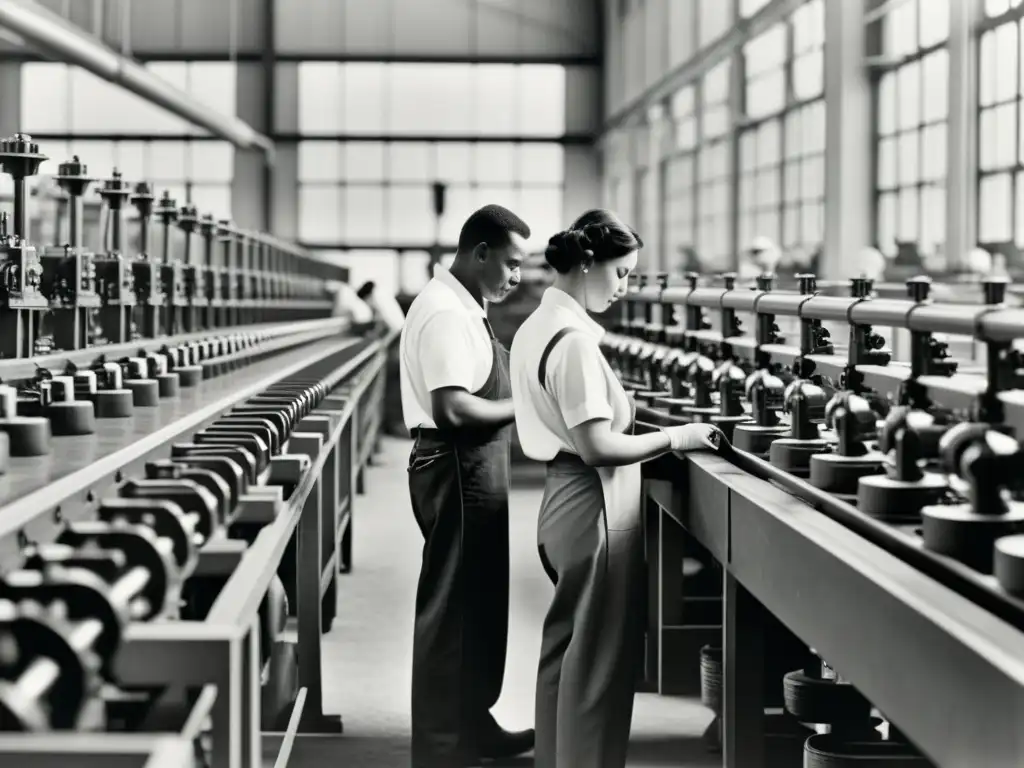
pixel 492 225
pixel 366 289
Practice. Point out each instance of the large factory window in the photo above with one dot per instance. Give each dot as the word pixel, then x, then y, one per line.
pixel 370 192
pixel 1000 139
pixel 679 171
pixel 713 20
pixel 912 113
pixel 69 108
pixel 62 99
pixel 713 171
pixel 782 167
pixel 749 7
pixel 390 99
pixel 199 172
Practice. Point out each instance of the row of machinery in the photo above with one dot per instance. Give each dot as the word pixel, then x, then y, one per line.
pixel 921 454
pixel 180 438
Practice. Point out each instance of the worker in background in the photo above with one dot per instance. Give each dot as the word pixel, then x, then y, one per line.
pixel 762 257
pixel 871 263
pixel 385 306
pixel 347 304
pixel 391 318
pixel 456 399
pixel 572 412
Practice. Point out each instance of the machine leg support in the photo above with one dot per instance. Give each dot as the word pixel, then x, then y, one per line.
pixel 743 695
pixel 329 606
pixel 321 725
pixel 345 550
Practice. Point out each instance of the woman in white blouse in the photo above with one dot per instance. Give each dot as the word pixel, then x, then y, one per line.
pixel 573 414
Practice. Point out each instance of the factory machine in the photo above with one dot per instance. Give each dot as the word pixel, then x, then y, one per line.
pixel 852 564
pixel 182 436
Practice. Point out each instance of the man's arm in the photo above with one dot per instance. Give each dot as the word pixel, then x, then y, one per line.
pixel 448 371
pixel 454 407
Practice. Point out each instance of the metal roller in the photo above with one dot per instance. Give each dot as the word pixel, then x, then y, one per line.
pixel 49 667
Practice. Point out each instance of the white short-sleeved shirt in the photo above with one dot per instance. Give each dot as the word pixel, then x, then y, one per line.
pixel 444 343
pixel 580 385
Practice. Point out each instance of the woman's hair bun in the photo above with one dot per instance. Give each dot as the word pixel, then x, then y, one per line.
pixel 569 248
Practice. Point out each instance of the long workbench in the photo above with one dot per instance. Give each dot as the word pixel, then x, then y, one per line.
pixel 946 671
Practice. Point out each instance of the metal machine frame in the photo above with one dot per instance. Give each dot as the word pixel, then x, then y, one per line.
pixel 933 644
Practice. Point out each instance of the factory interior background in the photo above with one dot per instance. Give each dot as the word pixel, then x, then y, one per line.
pixel 849 138
pixel 704 123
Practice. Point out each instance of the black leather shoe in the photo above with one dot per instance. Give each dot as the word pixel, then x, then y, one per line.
pixel 506 744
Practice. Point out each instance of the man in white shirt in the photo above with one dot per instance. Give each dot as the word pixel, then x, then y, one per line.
pixel 456 400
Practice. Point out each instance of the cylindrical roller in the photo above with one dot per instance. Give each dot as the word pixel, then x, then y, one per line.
pixel 756 439
pixel 794 456
pixel 263 428
pixel 242 456
pixel 829 750
pixel 137 546
pixel 277 417
pixel 168 384
pixel 57 574
pixel 206 478
pixel 145 391
pixel 27 435
pixel 182 363
pixel 895 501
pixel 68 417
pixel 839 474
pixel 230 473
pixel 958 531
pixel 49 692
pixel 816 700
pixel 238 437
pixel 1009 564
pixel 165 518
pixel 112 400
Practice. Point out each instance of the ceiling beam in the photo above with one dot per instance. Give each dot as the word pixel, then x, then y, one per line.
pixel 57 37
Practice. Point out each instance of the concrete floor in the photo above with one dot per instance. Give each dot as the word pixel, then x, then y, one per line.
pixel 367 655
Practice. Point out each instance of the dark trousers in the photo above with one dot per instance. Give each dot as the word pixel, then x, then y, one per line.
pixel 461 629
pixel 592 643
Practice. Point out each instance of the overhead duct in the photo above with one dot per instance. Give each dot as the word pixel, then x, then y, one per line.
pixel 57 37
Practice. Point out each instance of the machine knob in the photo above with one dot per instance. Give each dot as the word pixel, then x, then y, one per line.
pixel 808 283
pixel 918 288
pixel 994 289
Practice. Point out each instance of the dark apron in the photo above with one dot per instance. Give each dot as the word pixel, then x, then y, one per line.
pixel 591 547
pixel 459 485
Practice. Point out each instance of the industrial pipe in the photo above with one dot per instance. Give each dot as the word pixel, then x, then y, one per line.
pixel 56 36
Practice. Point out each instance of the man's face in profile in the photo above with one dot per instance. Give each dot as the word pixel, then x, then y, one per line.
pixel 502 266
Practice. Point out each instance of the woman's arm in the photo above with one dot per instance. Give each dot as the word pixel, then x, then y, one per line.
pixel 599 446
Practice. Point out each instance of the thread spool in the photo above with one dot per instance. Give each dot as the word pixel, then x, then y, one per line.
pixel 112 400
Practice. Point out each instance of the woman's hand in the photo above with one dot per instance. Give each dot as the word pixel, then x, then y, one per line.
pixel 694 437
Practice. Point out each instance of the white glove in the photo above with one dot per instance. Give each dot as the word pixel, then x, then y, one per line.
pixel 693 437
